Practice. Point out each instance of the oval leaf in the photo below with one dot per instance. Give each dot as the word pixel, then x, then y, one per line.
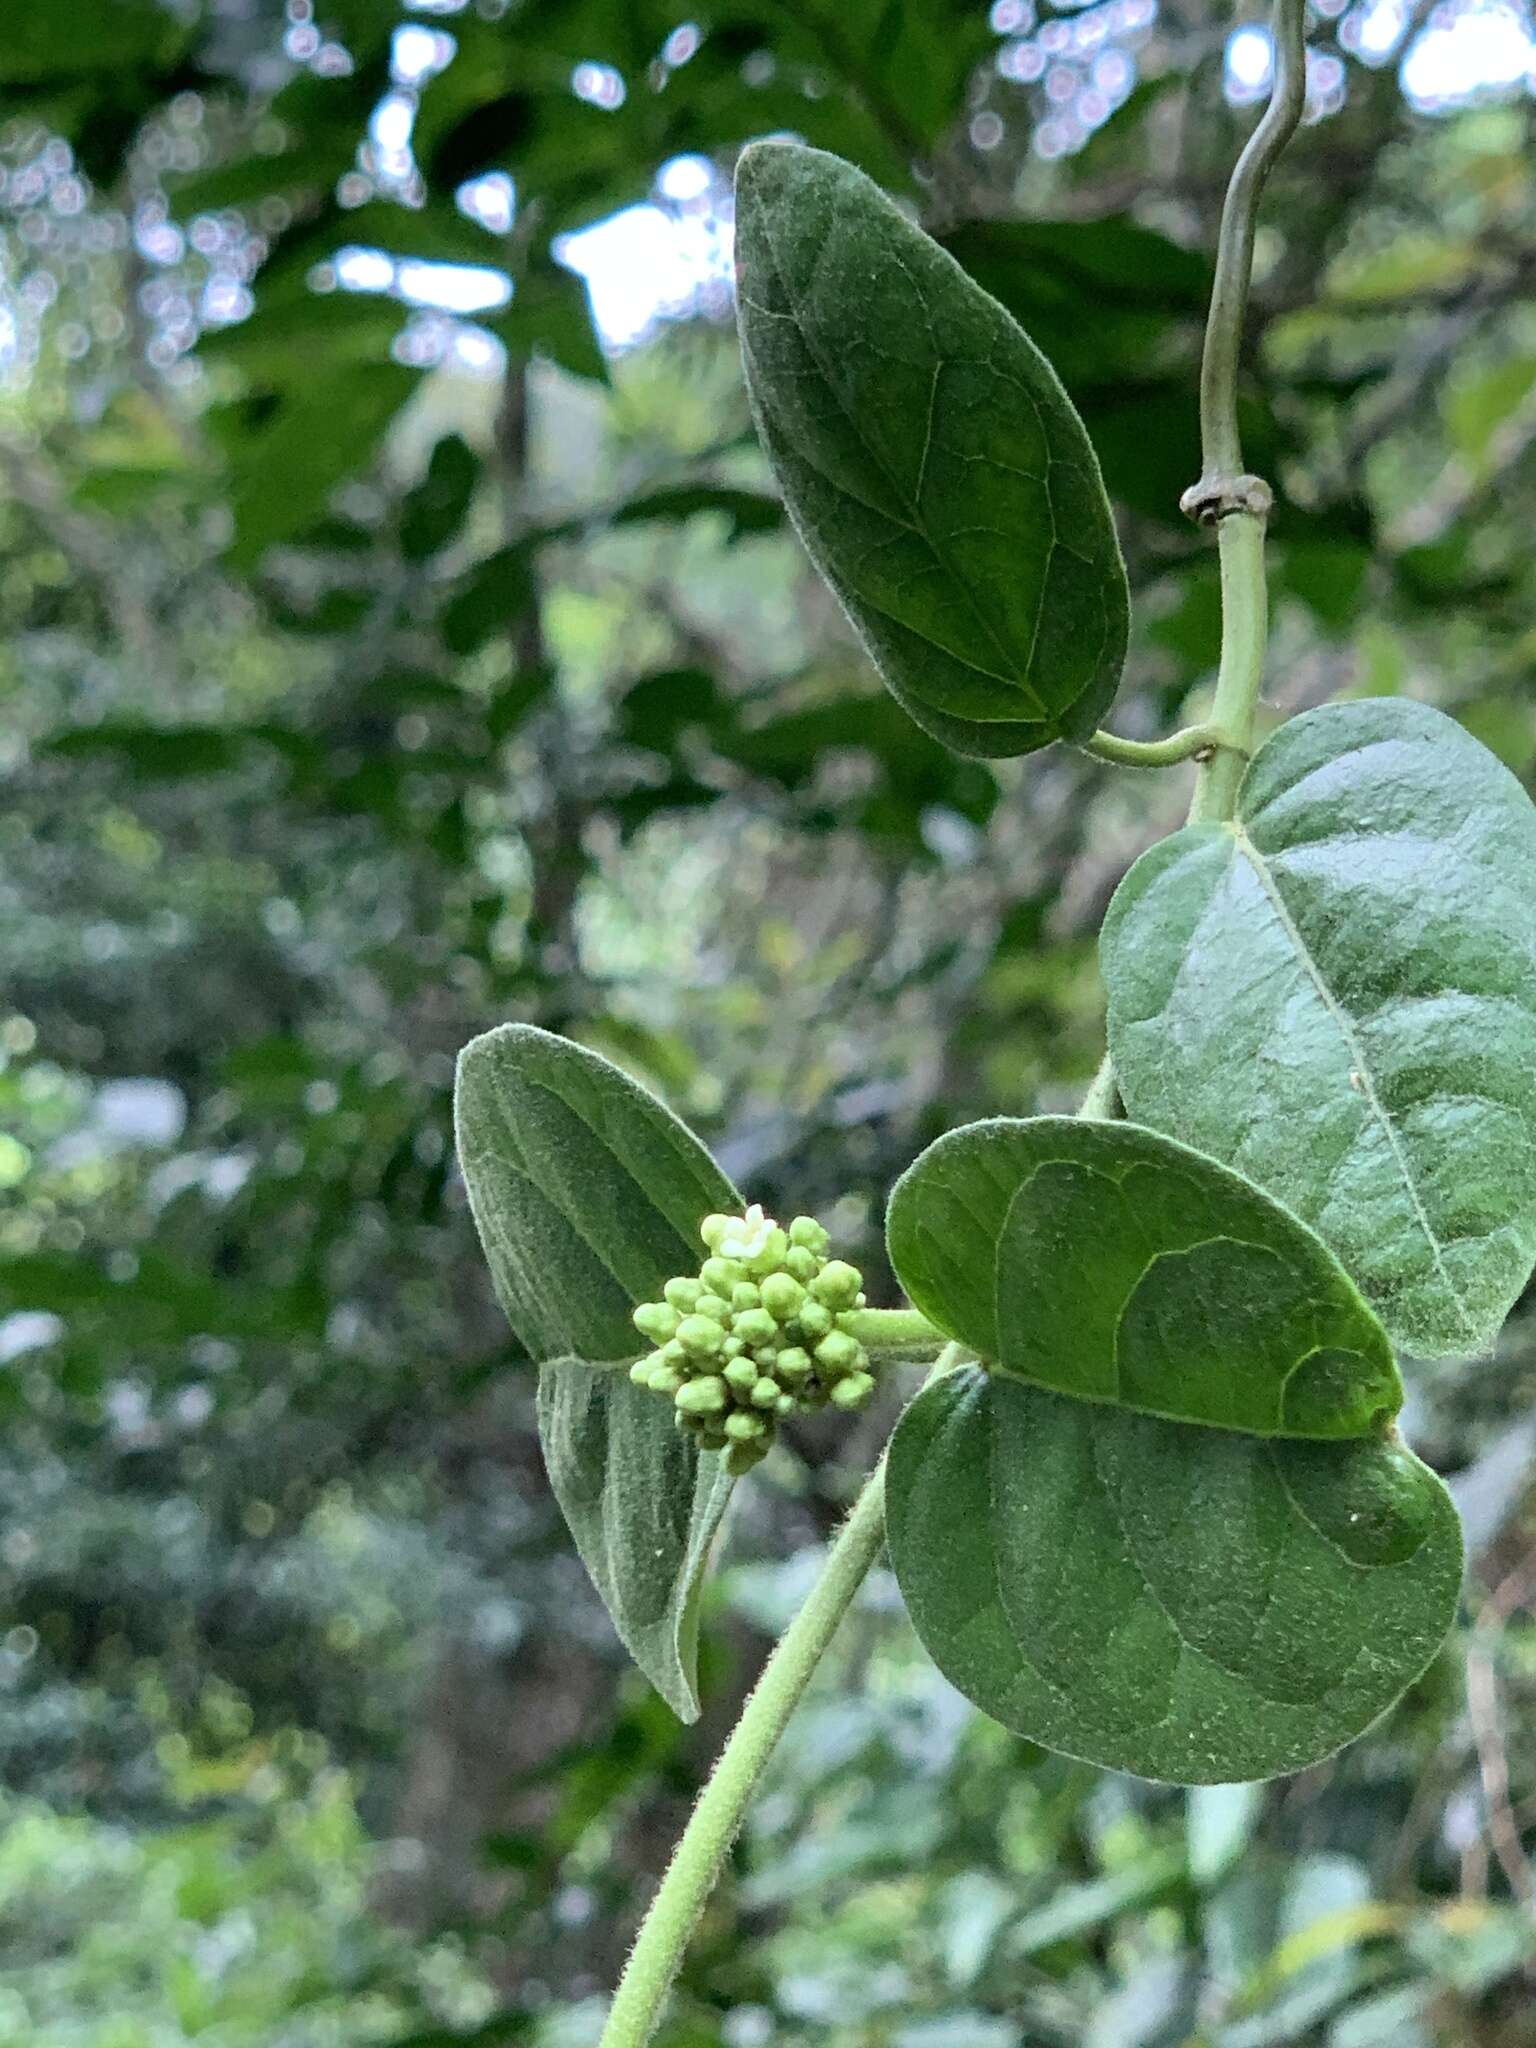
pixel 588 1193
pixel 1110 1263
pixel 1336 993
pixel 1188 1604
pixel 931 462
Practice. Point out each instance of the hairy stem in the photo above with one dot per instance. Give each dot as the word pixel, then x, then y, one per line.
pixel 712 1826
pixel 884 1330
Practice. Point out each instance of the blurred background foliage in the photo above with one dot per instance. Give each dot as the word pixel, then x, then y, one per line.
pixel 398 634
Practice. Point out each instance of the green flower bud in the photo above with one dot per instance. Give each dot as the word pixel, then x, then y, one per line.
pixel 732 1348
pixel 744 1295
pixel 664 1379
pixel 808 1233
pixel 640 1371
pixel 770 1256
pixel 792 1366
pixel 853 1390
pixel 700 1336
pixel 782 1296
pixel 713 1228
pixel 742 1374
pixel 755 1326
pixel 815 1320
pixel 720 1276
pixel 837 1284
pixel 715 1306
pixel 786 1404
pixel 740 1458
pixel 683 1295
pixel 803 1264
pixel 765 1394
pixel 743 1426
pixel 656 1320
pixel 705 1396
pixel 840 1353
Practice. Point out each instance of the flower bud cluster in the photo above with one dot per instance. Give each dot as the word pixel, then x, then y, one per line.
pixel 757 1336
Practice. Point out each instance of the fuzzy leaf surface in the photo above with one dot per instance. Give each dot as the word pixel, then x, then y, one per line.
pixel 1108 1262
pixel 1188 1604
pixel 930 460
pixel 1336 994
pixel 587 1193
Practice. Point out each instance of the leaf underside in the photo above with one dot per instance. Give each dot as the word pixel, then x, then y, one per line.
pixel 934 468
pixel 1336 994
pixel 643 1505
pixel 1189 1604
pixel 1108 1262
pixel 587 1193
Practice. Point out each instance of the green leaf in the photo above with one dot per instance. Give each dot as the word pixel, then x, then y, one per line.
pixel 488 599
pixel 1110 1263
pixel 1336 993
pixel 930 461
pixel 322 434
pixel 432 513
pixel 1189 1604
pixel 588 1194
pixel 644 1506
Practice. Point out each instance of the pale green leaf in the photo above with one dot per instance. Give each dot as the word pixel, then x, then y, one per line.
pixel 643 1504
pixel 1111 1263
pixel 1336 994
pixel 1189 1604
pixel 931 462
pixel 588 1193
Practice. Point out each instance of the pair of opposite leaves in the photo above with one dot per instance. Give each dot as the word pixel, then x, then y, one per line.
pixel 1197 1557
pixel 1335 994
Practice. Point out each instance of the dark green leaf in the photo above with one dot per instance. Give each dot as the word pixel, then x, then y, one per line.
pixel 551 316
pixel 326 431
pixel 588 1194
pixel 1188 1604
pixel 930 460
pixel 1337 994
pixel 747 511
pixel 434 511
pixel 489 600
pixel 1108 1262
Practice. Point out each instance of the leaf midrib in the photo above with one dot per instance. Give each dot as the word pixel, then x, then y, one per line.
pixel 1359 1060
pixel 920 526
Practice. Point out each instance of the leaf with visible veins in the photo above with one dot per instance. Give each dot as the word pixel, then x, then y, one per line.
pixel 930 460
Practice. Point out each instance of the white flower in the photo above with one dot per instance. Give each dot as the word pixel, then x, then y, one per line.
pixel 746 1237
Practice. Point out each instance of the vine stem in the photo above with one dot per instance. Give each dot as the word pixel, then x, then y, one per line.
pixel 1225 496
pixel 712 1826
pixel 1238 505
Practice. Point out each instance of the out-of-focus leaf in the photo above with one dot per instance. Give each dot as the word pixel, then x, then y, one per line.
pixel 746 512
pixel 434 511
pixel 488 599
pixel 323 433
